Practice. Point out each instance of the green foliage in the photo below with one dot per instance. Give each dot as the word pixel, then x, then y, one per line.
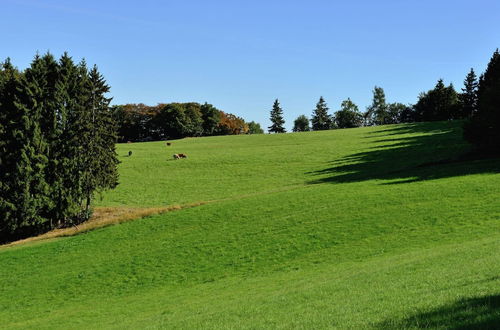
pixel 254 128
pixel 273 248
pixel 468 97
pixel 301 124
pixel 139 122
pixel 58 141
pixel 377 112
pixel 277 119
pixel 179 120
pixel 321 120
pixel 22 162
pixel 348 116
pixel 483 129
pixel 210 116
pixel 440 103
pixel 396 113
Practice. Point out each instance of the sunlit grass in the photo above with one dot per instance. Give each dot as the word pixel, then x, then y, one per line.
pixel 375 227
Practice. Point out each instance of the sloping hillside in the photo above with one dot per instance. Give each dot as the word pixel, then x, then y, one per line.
pixel 386 227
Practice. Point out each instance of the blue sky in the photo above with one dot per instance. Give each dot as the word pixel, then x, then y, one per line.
pixel 241 55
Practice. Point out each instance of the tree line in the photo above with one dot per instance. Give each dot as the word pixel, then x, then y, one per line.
pixel 57 144
pixel 139 122
pixel 478 103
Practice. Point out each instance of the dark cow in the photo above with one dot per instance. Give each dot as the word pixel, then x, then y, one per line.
pixel 130 153
pixel 169 144
pixel 179 156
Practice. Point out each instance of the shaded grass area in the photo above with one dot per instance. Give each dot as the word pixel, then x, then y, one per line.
pixel 271 249
pixel 409 153
pixel 466 313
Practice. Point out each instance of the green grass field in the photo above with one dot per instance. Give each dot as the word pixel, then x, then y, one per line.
pixel 383 227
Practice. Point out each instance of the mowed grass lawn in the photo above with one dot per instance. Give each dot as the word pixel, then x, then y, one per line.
pixel 386 227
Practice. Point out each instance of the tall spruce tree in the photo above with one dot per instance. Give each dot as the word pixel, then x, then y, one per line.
pixel 320 119
pixel 24 190
pixel 483 129
pixel 377 112
pixel 277 119
pixel 57 145
pixel 100 157
pixel 71 99
pixel 41 80
pixel 468 97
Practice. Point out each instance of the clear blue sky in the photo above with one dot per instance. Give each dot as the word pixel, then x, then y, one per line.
pixel 241 55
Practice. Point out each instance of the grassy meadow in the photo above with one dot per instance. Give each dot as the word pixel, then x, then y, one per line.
pixel 376 227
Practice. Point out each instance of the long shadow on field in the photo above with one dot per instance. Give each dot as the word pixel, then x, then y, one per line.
pixel 410 153
pixel 473 313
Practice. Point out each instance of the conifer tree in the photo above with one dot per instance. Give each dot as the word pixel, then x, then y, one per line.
pixel 377 112
pixel 100 159
pixel 440 103
pixel 483 130
pixel 67 150
pixel 321 120
pixel 23 190
pixel 468 97
pixel 41 79
pixel 277 119
pixel 57 145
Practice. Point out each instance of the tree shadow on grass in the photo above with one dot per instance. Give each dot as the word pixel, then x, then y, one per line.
pixel 472 313
pixel 410 153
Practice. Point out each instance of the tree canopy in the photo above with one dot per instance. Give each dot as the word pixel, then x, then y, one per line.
pixel 348 116
pixel 301 124
pixel 57 143
pixel 277 120
pixel 320 119
pixel 483 129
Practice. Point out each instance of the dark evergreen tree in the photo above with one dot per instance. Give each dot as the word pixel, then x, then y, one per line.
pixel 440 103
pixel 468 98
pixel 100 159
pixel 277 119
pixel 320 119
pixel 73 95
pixel 57 140
pixel 301 124
pixel 23 188
pixel 483 129
pixel 377 112
pixel 348 116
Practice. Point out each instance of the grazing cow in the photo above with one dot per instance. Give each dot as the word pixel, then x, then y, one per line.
pixel 169 144
pixel 179 156
pixel 130 153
